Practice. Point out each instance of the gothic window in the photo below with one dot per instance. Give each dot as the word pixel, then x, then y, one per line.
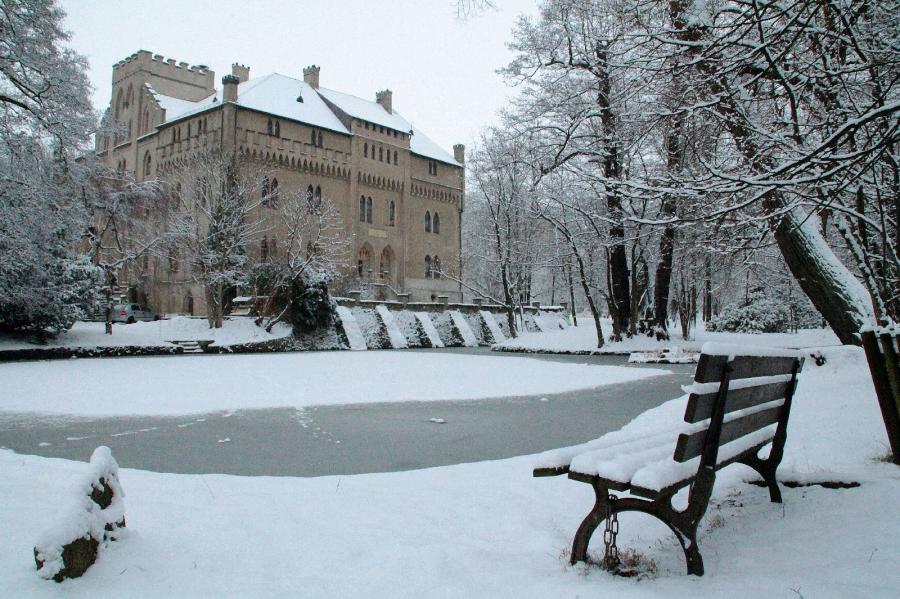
pixel 436 268
pixel 318 200
pixel 147 164
pixel 273 247
pixel 273 194
pixel 266 190
pixel 277 129
pixel 381 154
pixel 269 128
pixel 427 222
pixel 189 131
pixel 391 213
pixel 264 249
pixel 312 137
pixel 362 209
pixel 365 150
pixel 369 210
pixel 436 223
pixel 395 156
pixel 130 97
pixel 427 267
pixel 321 143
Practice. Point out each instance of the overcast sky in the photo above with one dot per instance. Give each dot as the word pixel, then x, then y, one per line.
pixel 441 69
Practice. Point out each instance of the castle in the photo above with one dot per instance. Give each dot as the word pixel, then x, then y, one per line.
pixel 400 195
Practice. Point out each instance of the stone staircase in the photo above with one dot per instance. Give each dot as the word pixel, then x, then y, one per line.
pixel 191 346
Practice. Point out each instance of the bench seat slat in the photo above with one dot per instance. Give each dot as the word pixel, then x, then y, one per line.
pixel 700 406
pixel 711 368
pixel 691 445
pixel 620 462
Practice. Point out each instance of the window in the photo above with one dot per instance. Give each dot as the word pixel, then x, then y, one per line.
pixel 427 267
pixel 381 154
pixel 189 130
pixel 365 150
pixel 312 138
pixel 395 157
pixel 436 268
pixel 427 222
pixel 273 194
pixel 318 200
pixel 264 249
pixel 362 209
pixel 321 144
pixel 369 210
pixel 147 164
pixel 266 190
pixel 391 213
pixel 273 247
pixel 269 128
pixel 277 129
pixel 436 223
pixel 432 168
pixel 173 262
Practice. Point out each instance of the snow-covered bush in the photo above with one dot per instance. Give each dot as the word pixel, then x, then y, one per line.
pixel 311 307
pixel 756 314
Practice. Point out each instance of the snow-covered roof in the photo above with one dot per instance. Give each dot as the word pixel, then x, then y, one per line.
pixel 423 145
pixel 277 95
pixel 175 107
pixel 374 112
pixel 366 110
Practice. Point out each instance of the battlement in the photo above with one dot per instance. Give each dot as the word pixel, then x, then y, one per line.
pixel 193 82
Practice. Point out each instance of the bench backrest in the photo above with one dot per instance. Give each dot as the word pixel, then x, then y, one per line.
pixel 723 385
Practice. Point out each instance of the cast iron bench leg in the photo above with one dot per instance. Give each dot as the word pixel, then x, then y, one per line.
pixel 590 524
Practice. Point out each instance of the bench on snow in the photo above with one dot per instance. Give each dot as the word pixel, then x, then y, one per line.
pixel 738 404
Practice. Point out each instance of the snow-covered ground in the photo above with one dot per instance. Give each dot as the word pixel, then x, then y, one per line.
pixel 171 385
pixel 486 529
pixel 583 338
pixel 161 332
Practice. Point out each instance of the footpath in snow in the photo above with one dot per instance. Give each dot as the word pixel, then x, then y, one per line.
pixel 96 387
pixel 488 529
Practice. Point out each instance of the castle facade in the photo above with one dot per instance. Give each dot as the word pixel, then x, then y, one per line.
pixel 400 195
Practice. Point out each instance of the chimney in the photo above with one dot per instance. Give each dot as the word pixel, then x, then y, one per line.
pixel 311 76
pixel 240 71
pixel 385 98
pixel 459 153
pixel 230 88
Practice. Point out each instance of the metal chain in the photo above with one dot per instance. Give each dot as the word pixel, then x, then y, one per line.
pixel 611 553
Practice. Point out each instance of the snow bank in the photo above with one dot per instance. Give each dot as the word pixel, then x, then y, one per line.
pixel 430 332
pixel 398 339
pixel 465 331
pixel 294 379
pixel 583 339
pixel 493 327
pixel 351 328
pixel 234 331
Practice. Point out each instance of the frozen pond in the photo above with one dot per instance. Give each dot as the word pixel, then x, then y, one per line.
pixel 349 439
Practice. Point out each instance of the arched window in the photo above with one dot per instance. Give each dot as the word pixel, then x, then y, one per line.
pixel 365 150
pixel 273 247
pixel 318 200
pixel 436 268
pixel 189 131
pixel 386 264
pixel 395 157
pixel 273 194
pixel 362 209
pixel 277 129
pixel 269 128
pixel 145 125
pixel 313 137
pixel 364 260
pixel 427 267
pixel 130 99
pixel 381 154
pixel 369 210
pixel 436 223
pixel 120 103
pixel 147 164
pixel 391 214
pixel 427 222
pixel 266 190
pixel 264 249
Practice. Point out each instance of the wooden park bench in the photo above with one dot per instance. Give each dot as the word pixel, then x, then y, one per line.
pixel 738 404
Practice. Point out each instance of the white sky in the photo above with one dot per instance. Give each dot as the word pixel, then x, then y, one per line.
pixel 441 69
